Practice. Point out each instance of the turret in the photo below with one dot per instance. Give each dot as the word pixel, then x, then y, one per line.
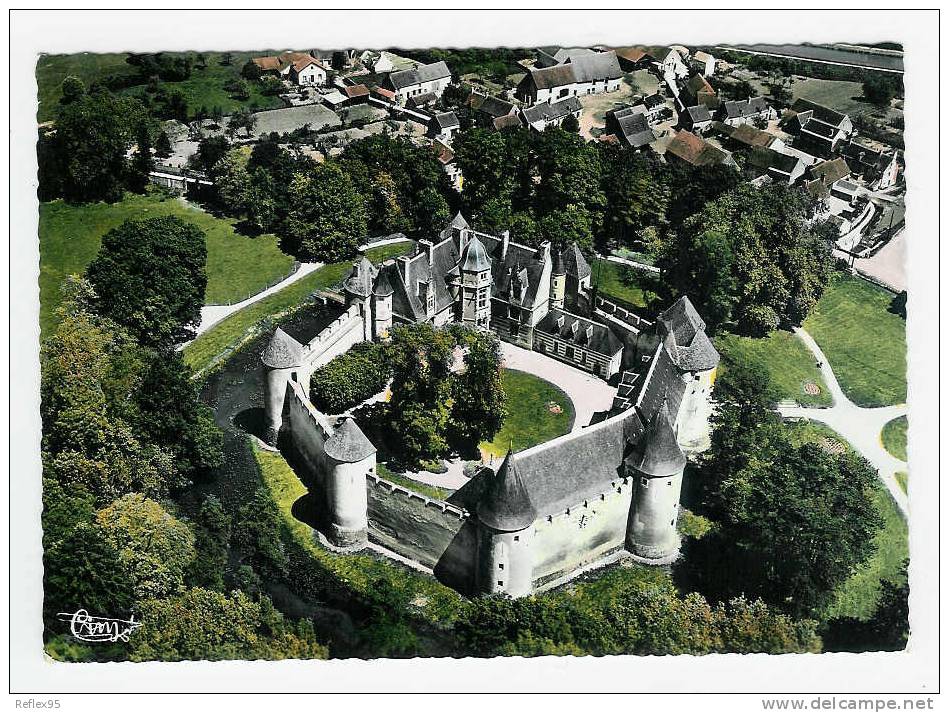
pixel 458 230
pixel 475 267
pixel 656 465
pixel 558 281
pixel 382 305
pixel 348 458
pixel 281 358
pixel 506 518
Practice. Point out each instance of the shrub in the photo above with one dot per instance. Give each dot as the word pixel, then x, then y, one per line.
pixel 351 378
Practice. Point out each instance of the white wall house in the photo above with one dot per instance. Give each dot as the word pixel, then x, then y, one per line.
pixel 704 63
pixel 308 73
pixel 425 78
pixel 577 76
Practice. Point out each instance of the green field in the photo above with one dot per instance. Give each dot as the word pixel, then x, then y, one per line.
pixel 204 88
pixel 894 437
pixel 620 281
pixel 230 333
pixel 530 420
pixel 788 362
pixel 857 597
pixel 865 344
pixel 70 235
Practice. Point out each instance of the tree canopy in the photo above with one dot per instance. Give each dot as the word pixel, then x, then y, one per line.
pixel 150 277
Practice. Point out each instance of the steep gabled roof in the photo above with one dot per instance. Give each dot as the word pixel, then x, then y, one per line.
pixel 505 504
pixel 575 264
pixel 550 77
pixel 694 149
pixel 817 111
pixel 348 444
pixel 596 67
pixel 691 349
pixel 282 352
pixel 422 73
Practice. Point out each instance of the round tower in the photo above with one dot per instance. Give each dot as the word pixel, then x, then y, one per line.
pixel 558 281
pixel 357 289
pixel 348 458
pixel 475 267
pixel 506 523
pixel 382 305
pixel 281 358
pixel 656 466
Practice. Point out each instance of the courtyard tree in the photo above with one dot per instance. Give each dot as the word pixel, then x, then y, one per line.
pixel 150 277
pixel 142 163
pixel 163 145
pixel 478 405
pixel 327 216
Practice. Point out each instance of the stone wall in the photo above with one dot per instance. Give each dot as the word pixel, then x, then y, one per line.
pixel 431 532
pixel 337 338
pixel 309 430
pixel 592 529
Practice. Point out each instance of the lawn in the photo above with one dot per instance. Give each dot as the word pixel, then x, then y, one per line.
pixel 204 88
pixel 230 333
pixel 70 235
pixel 620 281
pixel 436 602
pixel 864 342
pixel 788 362
pixel 857 597
pixel 530 420
pixel 432 491
pixel 894 437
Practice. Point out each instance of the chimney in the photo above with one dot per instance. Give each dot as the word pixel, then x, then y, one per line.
pixel 403 264
pixel 429 249
pixel 505 241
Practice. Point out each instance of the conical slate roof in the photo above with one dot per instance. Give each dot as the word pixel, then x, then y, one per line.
pixel 475 257
pixel 348 444
pixel 505 505
pixel 282 352
pixel 458 221
pixel 383 288
pixel 659 454
pixel 558 267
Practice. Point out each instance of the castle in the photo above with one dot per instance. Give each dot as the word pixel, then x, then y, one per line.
pixel 546 512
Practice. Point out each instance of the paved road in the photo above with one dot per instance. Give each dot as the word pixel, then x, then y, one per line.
pixel 862 427
pixel 632 263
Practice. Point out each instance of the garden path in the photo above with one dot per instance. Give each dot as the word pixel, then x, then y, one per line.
pixel 862 427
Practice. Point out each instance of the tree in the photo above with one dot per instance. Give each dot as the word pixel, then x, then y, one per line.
pixel 879 89
pixel 210 150
pixel 351 378
pixel 886 630
pixel 250 71
pixel 163 145
pixel 154 547
pixel 270 85
pixel 571 224
pixel 637 196
pixel 570 173
pixel 232 182
pixel 747 250
pixel 484 160
pixel 150 277
pixel 478 402
pixel 142 163
pixel 72 88
pixel 327 216
pixel 571 124
pixel 93 135
pixel 200 624
pixel 241 120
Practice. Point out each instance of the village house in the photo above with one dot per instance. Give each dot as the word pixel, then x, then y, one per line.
pixel 696 151
pixel 821 177
pixel 444 125
pixel 540 116
pixel 703 62
pixel 377 62
pixel 299 67
pixel 632 59
pixel 746 136
pixel 697 90
pixel 421 101
pixel 552 56
pixel 356 94
pixel 667 62
pixel 446 157
pixel 818 128
pixel 697 119
pixel 584 74
pixel 423 79
pixel 747 111
pixel 879 168
pixel 490 112
pixel 630 126
pixel 781 167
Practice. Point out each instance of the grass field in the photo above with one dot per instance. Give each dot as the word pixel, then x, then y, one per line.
pixel 530 420
pixel 70 236
pixel 230 333
pixel 894 437
pixel 858 596
pixel 204 88
pixel 866 344
pixel 788 362
pixel 619 281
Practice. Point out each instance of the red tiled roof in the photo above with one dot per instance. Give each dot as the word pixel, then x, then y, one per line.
pixel 694 149
pixel 630 54
pixel 358 90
